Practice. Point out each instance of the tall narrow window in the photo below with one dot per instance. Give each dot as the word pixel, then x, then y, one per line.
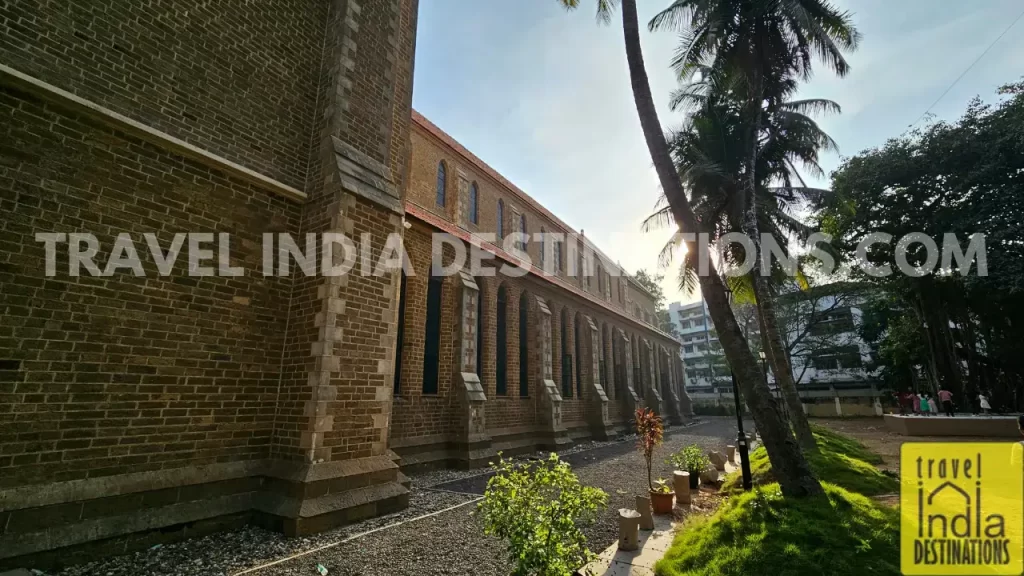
pixel 501 219
pixel 541 247
pixel 566 356
pixel 600 280
pixel 524 346
pixel 400 339
pixel 474 194
pixel 442 182
pixel 480 330
pixel 501 344
pixel 576 341
pixel 522 228
pixel 558 255
pixel 432 338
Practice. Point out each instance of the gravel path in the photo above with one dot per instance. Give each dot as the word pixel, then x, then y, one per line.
pixel 447 543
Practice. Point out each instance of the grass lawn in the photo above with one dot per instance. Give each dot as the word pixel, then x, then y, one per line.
pixel 842 461
pixel 759 532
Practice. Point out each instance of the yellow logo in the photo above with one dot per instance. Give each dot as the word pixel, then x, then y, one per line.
pixel 961 508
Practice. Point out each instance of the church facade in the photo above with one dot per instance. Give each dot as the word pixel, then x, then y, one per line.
pixel 141 408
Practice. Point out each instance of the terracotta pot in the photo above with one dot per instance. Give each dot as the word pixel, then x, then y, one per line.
pixel 694 480
pixel 662 502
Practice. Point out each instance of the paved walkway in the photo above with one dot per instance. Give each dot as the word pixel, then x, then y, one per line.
pixel 652 546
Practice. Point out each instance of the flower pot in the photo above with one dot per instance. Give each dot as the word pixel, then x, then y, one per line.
pixel 661 502
pixel 694 480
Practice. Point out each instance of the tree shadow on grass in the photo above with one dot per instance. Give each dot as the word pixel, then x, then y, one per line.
pixel 760 532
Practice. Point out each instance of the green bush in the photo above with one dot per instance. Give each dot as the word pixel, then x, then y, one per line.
pixel 760 532
pixel 691 459
pixel 538 509
pixel 842 461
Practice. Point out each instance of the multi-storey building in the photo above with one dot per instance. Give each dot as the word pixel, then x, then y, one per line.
pixel 138 408
pixel 828 356
pixel 825 349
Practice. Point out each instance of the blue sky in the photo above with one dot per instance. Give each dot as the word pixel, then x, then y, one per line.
pixel 543 95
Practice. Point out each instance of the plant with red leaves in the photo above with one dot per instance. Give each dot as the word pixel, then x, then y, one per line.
pixel 650 431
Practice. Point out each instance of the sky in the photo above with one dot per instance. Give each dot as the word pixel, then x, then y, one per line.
pixel 543 96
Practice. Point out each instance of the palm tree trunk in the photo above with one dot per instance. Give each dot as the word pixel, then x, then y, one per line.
pixel 775 350
pixel 788 463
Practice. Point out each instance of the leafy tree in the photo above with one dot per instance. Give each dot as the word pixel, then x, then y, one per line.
pixel 953 182
pixel 538 508
pixel 652 283
pixel 809 324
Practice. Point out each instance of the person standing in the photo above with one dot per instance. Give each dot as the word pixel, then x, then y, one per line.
pixel 922 404
pixel 983 403
pixel 946 397
pixel 933 406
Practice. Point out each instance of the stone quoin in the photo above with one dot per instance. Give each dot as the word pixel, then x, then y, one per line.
pixel 135 410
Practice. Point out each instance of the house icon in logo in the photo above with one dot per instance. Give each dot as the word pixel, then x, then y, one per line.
pixel 946 511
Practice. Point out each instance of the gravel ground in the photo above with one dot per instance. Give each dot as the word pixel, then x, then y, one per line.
pixel 229 552
pixel 453 542
pixel 448 543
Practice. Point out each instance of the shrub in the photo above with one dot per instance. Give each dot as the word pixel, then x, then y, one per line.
pixel 758 532
pixel 538 509
pixel 692 459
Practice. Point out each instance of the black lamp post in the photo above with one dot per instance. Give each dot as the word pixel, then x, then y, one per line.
pixel 741 436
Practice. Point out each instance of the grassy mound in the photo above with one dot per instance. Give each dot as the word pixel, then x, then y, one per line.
pixel 832 441
pixel 842 461
pixel 760 532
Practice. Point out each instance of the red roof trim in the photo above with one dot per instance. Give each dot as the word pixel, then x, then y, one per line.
pixel 427 217
pixel 422 121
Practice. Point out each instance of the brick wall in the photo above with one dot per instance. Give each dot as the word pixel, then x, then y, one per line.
pixel 232 77
pixel 127 374
pixel 433 417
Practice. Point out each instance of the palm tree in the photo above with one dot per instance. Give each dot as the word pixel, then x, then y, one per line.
pixel 754 50
pixel 788 463
pixel 708 155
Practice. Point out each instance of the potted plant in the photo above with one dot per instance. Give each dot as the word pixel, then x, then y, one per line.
pixel 651 433
pixel 692 459
pixel 661 497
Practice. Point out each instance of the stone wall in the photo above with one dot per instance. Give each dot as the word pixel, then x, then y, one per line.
pixel 135 410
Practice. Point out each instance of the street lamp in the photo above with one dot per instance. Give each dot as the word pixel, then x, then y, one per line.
pixel 741 436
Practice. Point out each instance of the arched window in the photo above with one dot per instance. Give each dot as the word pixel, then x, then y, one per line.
pixel 399 341
pixel 474 194
pixel 541 247
pixel 524 346
pixel 613 394
pixel 442 183
pixel 566 356
pixel 480 329
pixel 576 341
pixel 432 337
pixel 501 344
pixel 501 218
pixel 638 384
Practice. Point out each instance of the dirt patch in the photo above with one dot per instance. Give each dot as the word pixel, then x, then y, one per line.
pixel 874 434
